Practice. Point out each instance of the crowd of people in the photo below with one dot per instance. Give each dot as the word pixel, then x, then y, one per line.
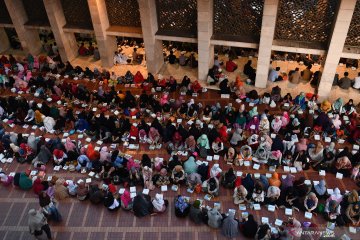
pixel 287 133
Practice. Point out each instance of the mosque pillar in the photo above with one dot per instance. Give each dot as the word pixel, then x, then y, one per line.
pixel 153 47
pixel 106 44
pixel 266 40
pixel 4 40
pixel 65 41
pixel 205 31
pixel 341 27
pixel 29 38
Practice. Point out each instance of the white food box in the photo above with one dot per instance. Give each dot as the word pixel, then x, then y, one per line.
pixel 308 215
pixel 288 211
pixel 339 175
pixel 216 157
pixel 164 188
pixel 133 189
pixel 257 207
pixel 271 208
pixel 278 222
pixel 121 191
pixel 256 166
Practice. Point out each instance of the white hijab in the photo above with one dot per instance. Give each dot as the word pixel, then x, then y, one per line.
pixel 215 170
pixel 158 202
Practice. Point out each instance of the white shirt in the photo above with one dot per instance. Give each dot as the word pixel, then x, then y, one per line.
pixel 357 83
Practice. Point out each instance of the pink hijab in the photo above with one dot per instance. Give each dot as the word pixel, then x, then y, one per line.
pixel 153 133
pixel 28 75
pixel 285 119
pixel 69 145
pixel 337 122
pixel 125 198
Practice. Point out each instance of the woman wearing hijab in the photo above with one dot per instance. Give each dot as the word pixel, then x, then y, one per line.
pixel 214 218
pixel 337 105
pixel 182 207
pixel 228 179
pixel 230 227
pixel 190 165
pixel 25 183
pixel 82 191
pixel 276 124
pixel 178 175
pixel 38 117
pixel 352 214
pixel 274 180
pixel 203 142
pixel 38 187
pixel 287 182
pixel 217 146
pixel 196 213
pixel 190 144
pixel 215 171
pixel 126 201
pixel 248 183
pixel 272 195
pixel 230 156
pixel 342 165
pixel 333 212
pixel 163 178
pixel 316 154
pixel 159 203
pixel 336 196
pixel 302 188
pixel 258 195
pixel 111 203
pixel 249 227
pixel 38 224
pixel 142 205
pixel 240 195
pixel 289 199
pixel 310 203
pixel 320 189
pixel 351 198
pixel 69 145
pixel 211 186
pixel 301 161
pixel 147 174
pixel 299 102
pixel 237 137
pixel 61 191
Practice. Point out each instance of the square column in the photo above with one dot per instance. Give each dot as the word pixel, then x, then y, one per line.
pixel 66 42
pixel 29 38
pixel 266 40
pixel 106 44
pixel 4 40
pixel 149 25
pixel 336 46
pixel 205 31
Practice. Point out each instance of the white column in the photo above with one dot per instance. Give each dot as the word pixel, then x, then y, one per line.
pixel 4 40
pixel 205 31
pixel 106 44
pixel 29 38
pixel 266 40
pixel 336 46
pixel 65 41
pixel 149 25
